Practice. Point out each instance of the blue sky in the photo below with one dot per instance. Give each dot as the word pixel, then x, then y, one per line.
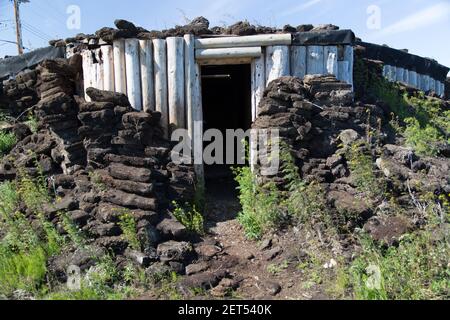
pixel 422 26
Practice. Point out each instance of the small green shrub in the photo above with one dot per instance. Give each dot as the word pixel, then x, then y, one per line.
pixel 423 140
pixel 362 168
pixel 32 122
pixel 417 269
pixel 189 217
pixel 260 204
pixel 7 141
pixel 129 228
pixel 22 271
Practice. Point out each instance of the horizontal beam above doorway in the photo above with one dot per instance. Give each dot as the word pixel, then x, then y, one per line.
pixel 228 53
pixel 245 41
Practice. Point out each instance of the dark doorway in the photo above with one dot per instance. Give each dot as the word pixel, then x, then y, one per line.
pixel 226 93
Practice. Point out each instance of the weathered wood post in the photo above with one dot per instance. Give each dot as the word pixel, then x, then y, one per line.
pixel 108 68
pixel 330 55
pixel 194 112
pixel 133 70
pixel 120 76
pixel 314 60
pixel 160 76
pixel 277 62
pixel 148 87
pixel 298 61
pixel 175 69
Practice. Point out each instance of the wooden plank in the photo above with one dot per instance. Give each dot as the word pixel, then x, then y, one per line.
pixel 245 41
pixel 86 62
pixel 413 78
pixel 437 87
pixel 133 71
pixel 349 56
pixel 120 76
pixel 148 87
pixel 219 62
pixel 258 84
pixel 160 76
pixel 343 71
pixel 406 76
pixel 194 106
pixel 393 75
pixel 189 78
pixel 108 68
pixel 298 61
pixel 399 74
pixel 228 53
pixel 330 55
pixel 432 84
pixel 175 72
pixel 277 62
pixel 314 60
pixel 385 70
pixel 98 66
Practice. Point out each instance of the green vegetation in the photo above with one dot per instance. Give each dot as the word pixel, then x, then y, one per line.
pixel 128 225
pixel 7 142
pixel 417 269
pixel 266 207
pixel 32 122
pixel 362 168
pixel 260 204
pixel 29 241
pixel 421 120
pixel 190 217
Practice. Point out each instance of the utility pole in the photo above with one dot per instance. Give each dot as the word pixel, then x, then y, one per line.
pixel 18 27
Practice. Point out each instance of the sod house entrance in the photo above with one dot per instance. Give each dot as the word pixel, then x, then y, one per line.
pixel 226 94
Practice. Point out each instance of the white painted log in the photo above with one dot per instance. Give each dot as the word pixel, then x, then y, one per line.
pixel 349 56
pixel 120 75
pixel 258 84
pixel 437 86
pixel 160 71
pixel 245 41
pixel 385 70
pixel 277 62
pixel 413 78
pixel 133 71
pixel 148 86
pixel 175 72
pixel 87 63
pixel 99 73
pixel 426 83
pixel 298 61
pixel 194 105
pixel 228 53
pixel 406 76
pixel 314 60
pixel 400 74
pixel 432 84
pixel 343 71
pixel 108 68
pixel 330 54
pixel 393 75
pixel 189 78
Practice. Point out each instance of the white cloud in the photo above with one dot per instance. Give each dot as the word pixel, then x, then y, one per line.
pixel 300 8
pixel 426 17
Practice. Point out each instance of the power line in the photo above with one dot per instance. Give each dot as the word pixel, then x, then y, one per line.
pixel 37 30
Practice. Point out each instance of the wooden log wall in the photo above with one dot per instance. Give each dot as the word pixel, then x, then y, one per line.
pixel 413 79
pixel 164 75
